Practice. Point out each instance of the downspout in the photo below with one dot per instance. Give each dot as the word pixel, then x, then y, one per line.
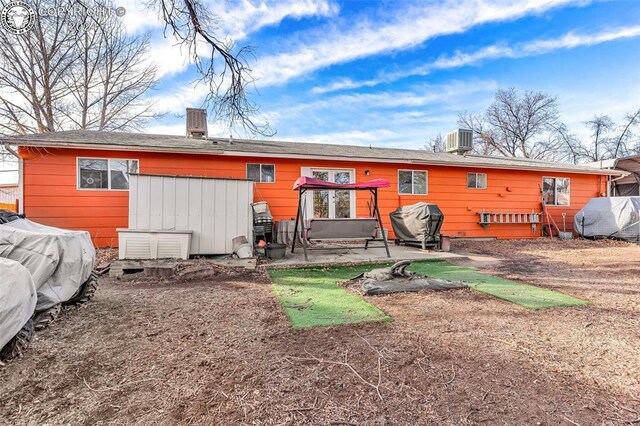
pixel 20 175
pixel 610 185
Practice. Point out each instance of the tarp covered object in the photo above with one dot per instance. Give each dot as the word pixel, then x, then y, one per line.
pixel 403 285
pixel 420 222
pixel 17 298
pixel 59 260
pixel 614 217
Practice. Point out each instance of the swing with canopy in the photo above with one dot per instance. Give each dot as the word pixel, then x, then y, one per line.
pixel 339 228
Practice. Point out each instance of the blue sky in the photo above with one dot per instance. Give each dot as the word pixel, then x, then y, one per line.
pixel 392 73
pixel 395 73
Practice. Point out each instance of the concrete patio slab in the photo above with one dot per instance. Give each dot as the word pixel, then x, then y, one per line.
pixel 359 255
pixel 120 267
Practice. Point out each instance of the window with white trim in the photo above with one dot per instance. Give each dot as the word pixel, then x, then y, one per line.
pixel 556 191
pixel 264 173
pixel 412 182
pixel 476 180
pixel 105 173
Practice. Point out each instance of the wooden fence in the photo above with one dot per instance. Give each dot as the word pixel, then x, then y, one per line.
pixel 9 197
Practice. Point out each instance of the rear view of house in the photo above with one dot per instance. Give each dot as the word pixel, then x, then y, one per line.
pixel 80 180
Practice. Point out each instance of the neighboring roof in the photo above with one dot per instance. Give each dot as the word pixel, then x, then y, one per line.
pixel 630 164
pixel 282 149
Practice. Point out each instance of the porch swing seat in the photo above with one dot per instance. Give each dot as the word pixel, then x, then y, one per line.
pixel 342 229
pixel 338 229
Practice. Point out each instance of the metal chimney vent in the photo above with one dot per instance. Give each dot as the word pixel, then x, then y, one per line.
pixel 196 123
pixel 460 141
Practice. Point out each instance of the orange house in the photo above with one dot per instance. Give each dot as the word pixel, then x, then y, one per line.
pixel 79 180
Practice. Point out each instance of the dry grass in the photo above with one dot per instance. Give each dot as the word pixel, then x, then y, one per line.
pixel 218 349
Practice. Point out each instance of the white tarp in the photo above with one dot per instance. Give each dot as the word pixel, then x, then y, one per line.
pixel 59 260
pixel 17 298
pixel 614 217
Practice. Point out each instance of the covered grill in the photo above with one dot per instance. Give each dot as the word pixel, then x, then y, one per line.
pixel 418 224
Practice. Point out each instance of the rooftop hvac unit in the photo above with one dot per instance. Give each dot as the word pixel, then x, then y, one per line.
pixel 196 123
pixel 460 141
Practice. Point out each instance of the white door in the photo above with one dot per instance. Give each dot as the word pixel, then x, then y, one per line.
pixel 332 204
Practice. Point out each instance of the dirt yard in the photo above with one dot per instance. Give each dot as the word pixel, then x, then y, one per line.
pixel 217 349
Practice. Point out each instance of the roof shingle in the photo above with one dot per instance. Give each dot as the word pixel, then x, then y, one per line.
pixel 283 149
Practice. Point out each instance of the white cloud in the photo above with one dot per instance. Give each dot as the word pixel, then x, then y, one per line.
pixel 420 96
pixel 177 99
pixel 400 118
pixel 351 137
pixel 138 17
pixel 459 59
pixel 179 128
pixel 405 29
pixel 238 20
pixel 344 84
pixel 169 57
pixel 166 129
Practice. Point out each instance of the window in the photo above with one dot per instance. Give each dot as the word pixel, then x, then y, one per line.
pixel 555 191
pixel 412 182
pixel 102 173
pixel 261 172
pixel 477 180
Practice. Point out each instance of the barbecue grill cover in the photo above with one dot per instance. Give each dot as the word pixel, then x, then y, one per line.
pixel 615 217
pixel 417 222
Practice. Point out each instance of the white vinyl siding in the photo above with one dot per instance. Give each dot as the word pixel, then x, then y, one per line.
pixel 215 210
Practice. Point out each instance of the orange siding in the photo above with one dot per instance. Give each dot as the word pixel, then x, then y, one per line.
pixel 51 196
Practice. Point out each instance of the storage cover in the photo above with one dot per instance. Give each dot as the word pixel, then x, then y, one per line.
pixel 614 217
pixel 17 298
pixel 59 260
pixel 417 222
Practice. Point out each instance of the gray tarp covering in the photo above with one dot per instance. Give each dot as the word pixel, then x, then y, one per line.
pixel 17 298
pixel 403 285
pixel 615 217
pixel 417 222
pixel 396 279
pixel 59 260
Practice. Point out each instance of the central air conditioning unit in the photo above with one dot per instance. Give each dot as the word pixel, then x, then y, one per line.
pixel 196 123
pixel 460 141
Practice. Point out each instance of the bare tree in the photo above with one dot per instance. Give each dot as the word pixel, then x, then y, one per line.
pixel 516 125
pixel 73 73
pixel 623 142
pixel 610 140
pixel 436 144
pixel 223 67
pixel 600 126
pixel 31 69
pixel 109 79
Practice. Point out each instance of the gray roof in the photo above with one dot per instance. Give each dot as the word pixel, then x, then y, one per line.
pixel 282 149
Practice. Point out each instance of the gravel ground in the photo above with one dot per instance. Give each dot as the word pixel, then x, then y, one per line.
pixel 216 348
